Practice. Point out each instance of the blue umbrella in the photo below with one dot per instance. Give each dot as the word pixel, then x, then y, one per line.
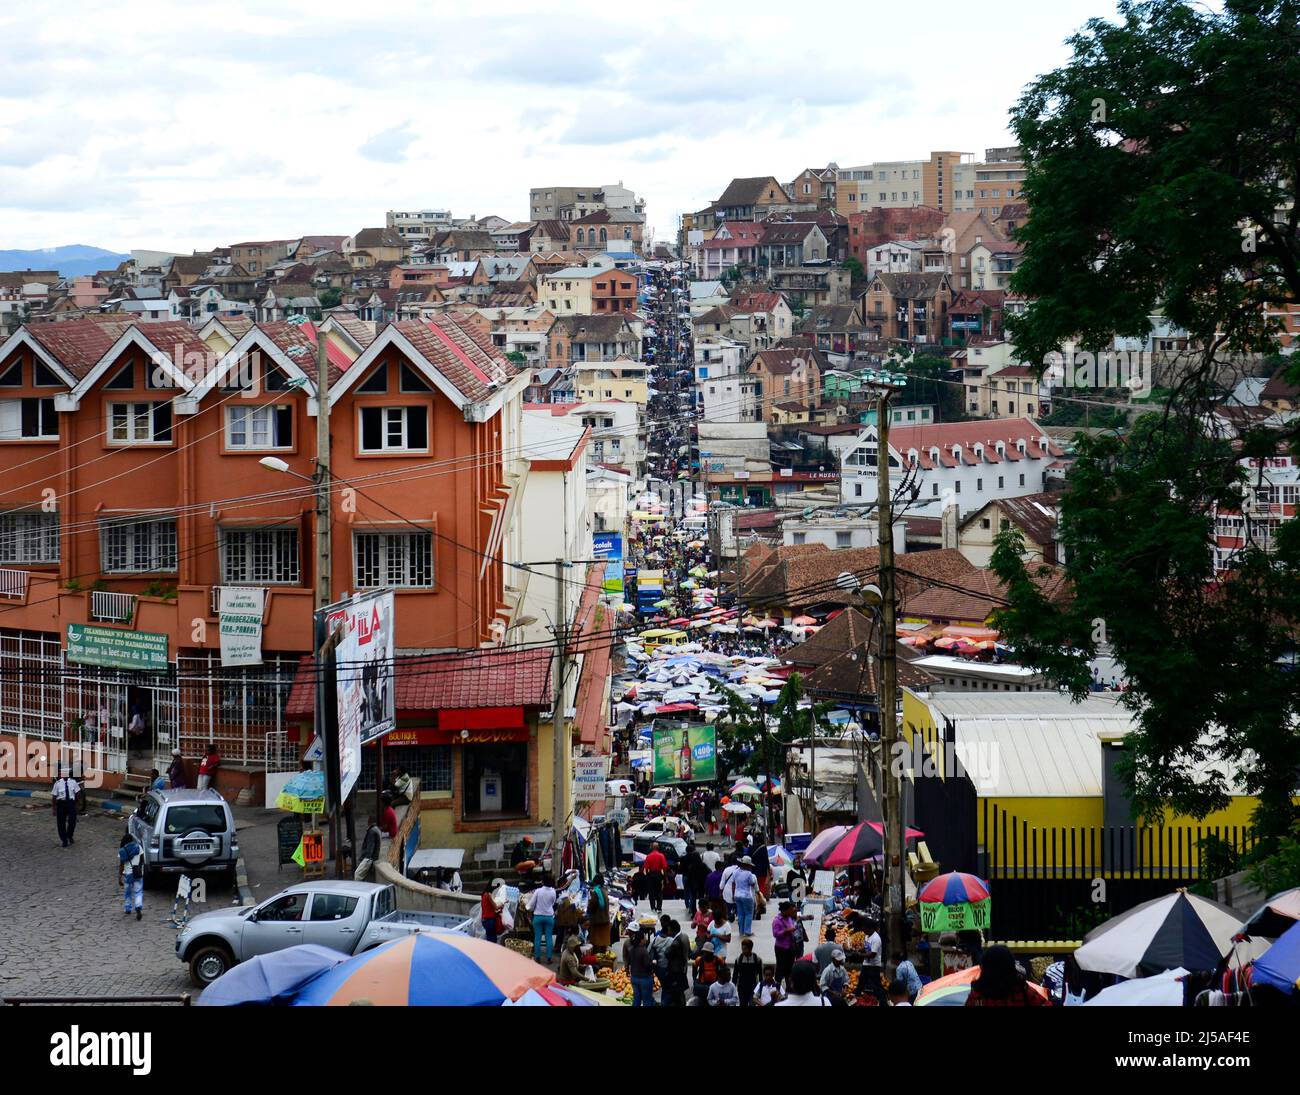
pixel 1279 966
pixel 270 978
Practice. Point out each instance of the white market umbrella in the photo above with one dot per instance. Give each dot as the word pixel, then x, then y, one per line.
pixel 1164 990
pixel 1177 930
pixel 737 808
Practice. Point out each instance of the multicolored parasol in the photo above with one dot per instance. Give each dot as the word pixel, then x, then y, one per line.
pixel 954 901
pixel 303 794
pixel 427 969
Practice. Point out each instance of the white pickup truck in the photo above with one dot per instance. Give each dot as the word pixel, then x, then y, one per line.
pixel 348 916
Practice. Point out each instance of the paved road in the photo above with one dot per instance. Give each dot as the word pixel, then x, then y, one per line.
pixel 63 929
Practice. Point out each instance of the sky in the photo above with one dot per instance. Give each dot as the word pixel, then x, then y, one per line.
pixel 184 127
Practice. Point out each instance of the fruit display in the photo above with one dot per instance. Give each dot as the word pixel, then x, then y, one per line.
pixel 520 946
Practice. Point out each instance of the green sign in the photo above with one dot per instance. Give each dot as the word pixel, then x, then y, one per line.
pixel 684 754
pixel 937 917
pixel 116 649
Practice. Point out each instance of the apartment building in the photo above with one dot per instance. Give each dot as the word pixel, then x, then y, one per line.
pixel 988 186
pixel 899 184
pixel 907 307
pixel 142 492
pixel 420 225
pixel 959 464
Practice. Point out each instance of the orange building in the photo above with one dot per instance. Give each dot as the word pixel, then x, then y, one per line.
pixel 132 489
pixel 613 291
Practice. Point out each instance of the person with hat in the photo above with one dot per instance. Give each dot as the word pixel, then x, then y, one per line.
pixel 570 972
pixel 640 967
pixel 745 887
pixel 707 964
pixel 490 905
pixel 63 797
pixel 835 978
pixel 176 770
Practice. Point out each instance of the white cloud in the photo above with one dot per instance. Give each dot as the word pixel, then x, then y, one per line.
pixel 203 125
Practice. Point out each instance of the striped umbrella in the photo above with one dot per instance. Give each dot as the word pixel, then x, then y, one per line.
pixel 428 969
pixel 1280 964
pixel 952 991
pixel 1179 929
pixel 954 901
pixel 848 845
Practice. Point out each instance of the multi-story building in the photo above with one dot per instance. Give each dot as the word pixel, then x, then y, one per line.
pixel 788 376
pixel 259 256
pixel 617 431
pixel 420 225
pixel 621 378
pixel 907 307
pixel 1271 495
pixel 991 184
pixel 961 464
pixel 899 184
pixel 142 491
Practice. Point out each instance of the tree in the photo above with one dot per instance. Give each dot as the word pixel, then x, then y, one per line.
pixel 1161 169
pixel 330 297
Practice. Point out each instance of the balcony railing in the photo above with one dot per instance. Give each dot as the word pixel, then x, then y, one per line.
pixel 13 583
pixel 109 607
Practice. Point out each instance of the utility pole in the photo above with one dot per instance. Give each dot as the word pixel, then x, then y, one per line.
pixel 561 748
pixel 321 479
pixel 895 897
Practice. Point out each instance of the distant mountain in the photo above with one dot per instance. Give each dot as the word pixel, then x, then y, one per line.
pixel 70 261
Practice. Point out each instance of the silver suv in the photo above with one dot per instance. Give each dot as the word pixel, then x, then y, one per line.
pixel 186 832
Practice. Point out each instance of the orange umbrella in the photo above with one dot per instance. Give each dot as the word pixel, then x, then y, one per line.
pixel 966 977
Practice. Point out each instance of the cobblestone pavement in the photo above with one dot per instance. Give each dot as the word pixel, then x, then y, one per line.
pixel 62 930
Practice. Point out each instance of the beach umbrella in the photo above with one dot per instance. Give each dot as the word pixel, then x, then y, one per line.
pixel 736 808
pixel 1280 965
pixel 270 978
pixel 303 794
pixel 445 969
pixel 843 846
pixel 1179 929
pixel 803 621
pixel 946 643
pixel 745 789
pixel 1275 916
pixel 954 901
pixel 1164 990
pixel 952 991
pixel 664 603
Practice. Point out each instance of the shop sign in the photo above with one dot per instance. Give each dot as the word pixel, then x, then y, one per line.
pixel 589 778
pixel 116 649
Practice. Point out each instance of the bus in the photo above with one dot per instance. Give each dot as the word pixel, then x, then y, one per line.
pixel 662 636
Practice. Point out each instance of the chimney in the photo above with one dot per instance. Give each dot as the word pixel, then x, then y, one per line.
pixel 948 526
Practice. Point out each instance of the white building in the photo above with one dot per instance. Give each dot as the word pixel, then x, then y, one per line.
pixel 730 398
pixel 607 498
pixel 554 510
pixel 419 225
pixel 617 432
pixel 895 257
pixel 840 532
pixel 962 464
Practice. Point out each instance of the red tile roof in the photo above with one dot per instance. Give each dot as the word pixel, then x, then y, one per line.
pixel 460 353
pixel 78 344
pixel 505 677
pixel 298 342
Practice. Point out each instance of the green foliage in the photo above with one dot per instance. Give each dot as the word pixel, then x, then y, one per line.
pixel 516 358
pixel 1166 134
pixel 1280 871
pixel 1157 159
pixel 330 298
pixel 1204 656
pixel 164 590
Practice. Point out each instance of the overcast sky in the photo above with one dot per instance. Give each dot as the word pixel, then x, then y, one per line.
pixel 183 127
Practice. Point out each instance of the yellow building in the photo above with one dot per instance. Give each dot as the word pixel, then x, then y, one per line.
pixel 568 292
pixel 1047 796
pixel 622 379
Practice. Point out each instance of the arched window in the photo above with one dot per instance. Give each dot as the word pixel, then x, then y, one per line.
pixel 603 235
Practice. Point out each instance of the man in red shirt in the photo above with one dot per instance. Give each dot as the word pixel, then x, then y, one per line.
pixel 208 767
pixel 654 868
pixel 388 819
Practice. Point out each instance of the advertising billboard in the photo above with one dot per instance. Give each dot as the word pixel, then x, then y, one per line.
pixel 365 677
pixel 609 546
pixel 684 754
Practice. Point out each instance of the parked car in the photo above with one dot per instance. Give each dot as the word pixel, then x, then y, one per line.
pixel 186 831
pixel 348 916
pixel 661 826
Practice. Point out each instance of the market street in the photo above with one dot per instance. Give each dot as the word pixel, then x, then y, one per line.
pixel 64 931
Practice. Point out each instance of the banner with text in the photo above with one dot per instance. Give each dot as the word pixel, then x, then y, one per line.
pixel 365 680
pixel 240 611
pixel 589 778
pixel 684 754
pixel 116 649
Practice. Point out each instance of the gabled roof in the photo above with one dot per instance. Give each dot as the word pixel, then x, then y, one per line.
pixel 784 362
pixel 377 237
pixel 913 286
pixel 1034 514
pixel 849 629
pixel 460 362
pixel 757 301
pixel 750 191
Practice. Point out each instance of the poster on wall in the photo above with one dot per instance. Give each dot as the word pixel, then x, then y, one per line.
pixel 684 754
pixel 364 658
pixel 240 611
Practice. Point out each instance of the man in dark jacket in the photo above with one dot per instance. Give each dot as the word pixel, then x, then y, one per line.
pixel 694 872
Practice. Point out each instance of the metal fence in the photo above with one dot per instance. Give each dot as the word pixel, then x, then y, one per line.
pixel 1059 882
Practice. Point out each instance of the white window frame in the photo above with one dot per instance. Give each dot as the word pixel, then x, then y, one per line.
pixel 379 571
pixel 148 545
pixel 248 416
pixel 135 418
pixel 28 537
pixel 388 422
pixel 17 404
pixel 261 556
